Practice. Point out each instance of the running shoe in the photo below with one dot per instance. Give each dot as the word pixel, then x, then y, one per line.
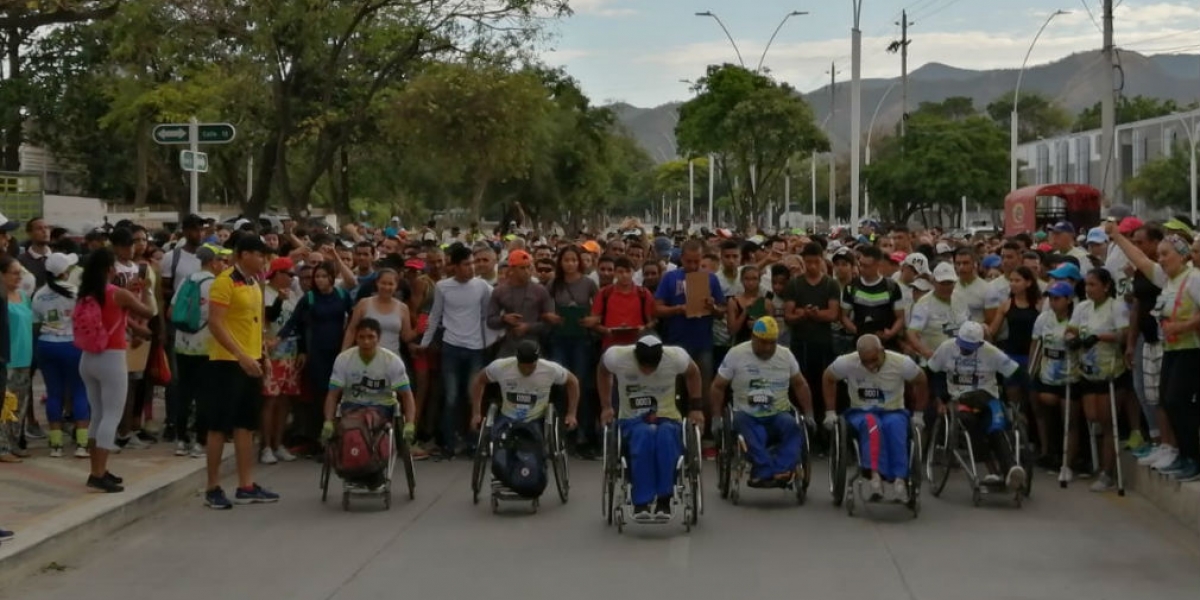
pixel 1189 472
pixel 255 494
pixel 6 535
pixel 1150 454
pixel 1103 483
pixel 197 451
pixel 81 452
pixel 1135 440
pixel 113 478
pixel 662 509
pixel 1166 458
pixel 876 487
pixel 267 457
pixel 642 513
pixel 1178 465
pixel 1016 478
pixel 216 500
pixel 56 451
pixel 418 452
pixel 181 448
pixel 282 454
pixel 900 489
pixel 104 484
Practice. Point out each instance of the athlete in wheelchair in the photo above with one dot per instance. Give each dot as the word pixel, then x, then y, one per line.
pixel 974 425
pixel 523 413
pixel 876 431
pixel 762 429
pixel 651 453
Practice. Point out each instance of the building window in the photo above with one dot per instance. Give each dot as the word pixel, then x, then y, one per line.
pixel 1043 163
pixel 1083 159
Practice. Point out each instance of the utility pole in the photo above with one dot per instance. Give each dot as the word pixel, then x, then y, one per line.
pixel 1108 114
pixel 833 73
pixel 901 46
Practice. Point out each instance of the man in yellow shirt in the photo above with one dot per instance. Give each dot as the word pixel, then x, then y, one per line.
pixel 233 403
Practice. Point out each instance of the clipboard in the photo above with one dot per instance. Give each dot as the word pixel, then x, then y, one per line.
pixel 697 292
pixel 571 315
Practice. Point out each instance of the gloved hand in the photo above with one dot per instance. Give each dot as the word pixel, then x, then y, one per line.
pixel 830 420
pixel 326 431
pixel 410 433
pixel 918 420
pixel 1090 341
pixel 1074 344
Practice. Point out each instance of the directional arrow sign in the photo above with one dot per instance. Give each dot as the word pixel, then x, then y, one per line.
pixel 210 133
pixel 193 161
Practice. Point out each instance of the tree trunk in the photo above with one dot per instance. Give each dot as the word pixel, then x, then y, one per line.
pixel 341 196
pixel 14 129
pixel 481 185
pixel 268 160
pixel 142 164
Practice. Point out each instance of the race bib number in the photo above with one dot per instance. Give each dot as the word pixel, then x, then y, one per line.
pixel 643 402
pixel 761 400
pixel 963 379
pixel 1055 354
pixel 522 399
pixel 870 395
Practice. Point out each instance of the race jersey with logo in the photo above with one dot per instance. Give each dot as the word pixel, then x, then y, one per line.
pixel 881 390
pixel 525 398
pixel 374 382
pixel 1052 334
pixel 1178 302
pixel 974 371
pixel 640 394
pixel 760 387
pixel 937 320
pixel 1103 360
pixel 973 296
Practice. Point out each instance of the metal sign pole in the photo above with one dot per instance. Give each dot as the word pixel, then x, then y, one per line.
pixel 194 146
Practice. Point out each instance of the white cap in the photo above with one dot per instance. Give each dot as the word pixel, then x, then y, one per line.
pixel 944 272
pixel 58 263
pixel 1096 235
pixel 944 248
pixel 238 223
pixel 649 340
pixel 922 284
pixel 970 335
pixel 918 262
pixel 6 225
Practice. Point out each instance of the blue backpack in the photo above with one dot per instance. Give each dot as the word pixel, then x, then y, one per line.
pixel 519 461
pixel 186 314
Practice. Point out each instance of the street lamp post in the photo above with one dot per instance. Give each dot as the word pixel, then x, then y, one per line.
pixel 1013 123
pixel 855 114
pixel 709 13
pixel 870 130
pixel 794 13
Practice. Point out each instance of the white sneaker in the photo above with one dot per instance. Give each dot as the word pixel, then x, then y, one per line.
pixel 1165 459
pixel 133 442
pixel 900 489
pixel 56 452
pixel 282 454
pixel 876 487
pixel 267 457
pixel 1016 478
pixel 81 452
pixel 1066 475
pixel 197 451
pixel 181 448
pixel 1153 457
pixel 1103 483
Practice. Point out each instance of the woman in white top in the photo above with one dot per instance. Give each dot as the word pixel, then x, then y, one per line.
pixel 58 358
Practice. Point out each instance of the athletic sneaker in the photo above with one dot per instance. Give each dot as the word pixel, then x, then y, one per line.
pixel 282 454
pixel 1189 472
pixel 417 451
pixel 1165 459
pixel 1178 465
pixel 56 451
pixel 1135 440
pixel 900 489
pixel 1016 478
pixel 662 509
pixel 267 457
pixel 1066 475
pixel 104 484
pixel 181 448
pixel 133 442
pixel 1153 455
pixel 215 499
pixel 197 451
pixel 6 535
pixel 145 437
pixel 1103 483
pixel 991 479
pixel 876 487
pixel 81 452
pixel 642 513
pixel 255 494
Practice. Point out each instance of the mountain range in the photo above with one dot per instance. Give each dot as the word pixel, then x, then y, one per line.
pixel 1074 82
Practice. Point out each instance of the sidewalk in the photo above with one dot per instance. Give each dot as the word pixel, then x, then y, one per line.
pixel 46 503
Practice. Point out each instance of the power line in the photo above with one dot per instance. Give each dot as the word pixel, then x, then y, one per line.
pixel 936 10
pixel 1091 16
pixel 1160 37
pixel 1167 50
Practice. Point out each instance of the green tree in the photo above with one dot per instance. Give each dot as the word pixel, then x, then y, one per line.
pixel 954 108
pixel 1164 182
pixel 1128 110
pixel 1039 116
pixel 754 125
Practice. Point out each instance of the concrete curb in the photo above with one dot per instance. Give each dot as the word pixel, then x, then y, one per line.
pixel 1180 500
pixel 57 539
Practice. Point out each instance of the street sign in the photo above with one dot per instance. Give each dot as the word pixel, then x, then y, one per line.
pixel 210 133
pixel 193 161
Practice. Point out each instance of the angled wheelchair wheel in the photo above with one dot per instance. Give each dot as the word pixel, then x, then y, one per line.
pixel 611 471
pixel 694 466
pixel 804 474
pixel 840 461
pixel 558 454
pixel 482 453
pixel 1028 458
pixel 941 454
pixel 404 452
pixel 326 468
pixel 916 464
pixel 727 453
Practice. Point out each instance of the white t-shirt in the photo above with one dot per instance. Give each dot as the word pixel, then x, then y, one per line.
pixel 998 290
pixel 375 382
pixel 639 393
pixel 1052 333
pixel 196 344
pixel 53 312
pixel 1166 307
pixel 287 348
pixel 883 390
pixel 974 371
pixel 187 264
pixel 1103 360
pixel 936 320
pixel 525 398
pixel 973 297
pixel 1115 264
pixel 760 387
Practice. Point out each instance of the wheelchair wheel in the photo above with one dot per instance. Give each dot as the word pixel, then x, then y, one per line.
pixel 941 454
pixel 916 462
pixel 1028 460
pixel 694 466
pixel 482 452
pixel 558 454
pixel 840 461
pixel 804 477
pixel 405 455
pixel 326 468
pixel 611 468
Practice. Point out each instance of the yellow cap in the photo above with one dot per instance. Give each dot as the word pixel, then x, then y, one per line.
pixel 766 329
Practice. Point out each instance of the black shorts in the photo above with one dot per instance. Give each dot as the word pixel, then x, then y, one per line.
pixel 1055 390
pixel 232 399
pixel 1121 383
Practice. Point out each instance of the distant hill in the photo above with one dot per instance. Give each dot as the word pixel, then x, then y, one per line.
pixel 1075 82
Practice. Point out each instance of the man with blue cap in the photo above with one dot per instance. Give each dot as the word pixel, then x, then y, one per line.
pixel 1062 241
pixel 762 373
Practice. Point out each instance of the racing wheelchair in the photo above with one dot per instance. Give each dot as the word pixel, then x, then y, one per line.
pixel 733 464
pixel 616 501
pixel 376 482
pixel 847 478
pixel 953 446
pixel 556 455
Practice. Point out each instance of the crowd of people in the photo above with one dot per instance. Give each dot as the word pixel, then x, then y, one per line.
pixel 243 327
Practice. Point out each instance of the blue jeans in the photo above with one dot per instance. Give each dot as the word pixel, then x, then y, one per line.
pixel 759 431
pixel 882 440
pixel 459 366
pixel 59 362
pixel 578 356
pixel 654 449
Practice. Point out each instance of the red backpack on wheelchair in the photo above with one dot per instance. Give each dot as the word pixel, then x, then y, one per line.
pixel 363 446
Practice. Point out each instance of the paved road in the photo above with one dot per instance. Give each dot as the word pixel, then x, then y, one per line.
pixel 1062 544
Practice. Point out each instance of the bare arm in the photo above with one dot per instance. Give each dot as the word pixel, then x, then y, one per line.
pixel 604 387
pixel 803 394
pixel 331 401
pixel 1133 253
pixel 829 383
pixel 408 404
pixel 920 390
pixel 355 317
pixel 478 384
pixel 716 396
pixel 572 395
pixel 128 301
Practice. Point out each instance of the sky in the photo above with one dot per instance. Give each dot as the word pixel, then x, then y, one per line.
pixel 637 51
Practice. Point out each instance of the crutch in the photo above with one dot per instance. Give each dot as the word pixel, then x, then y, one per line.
pixel 1062 471
pixel 1112 404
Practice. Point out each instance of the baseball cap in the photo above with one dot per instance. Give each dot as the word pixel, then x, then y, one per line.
pixel 648 351
pixel 922 284
pixel 58 263
pixel 6 225
pixel 1066 271
pixel 766 328
pixel 1044 247
pixel 519 258
pixel 1129 225
pixel 944 273
pixel 944 248
pixel 918 262
pixel 662 245
pixel 282 264
pixel 1063 227
pixel 1039 236
pixel 415 263
pixel 591 247
pixel 1096 235
pixel 897 257
pixel 1120 212
pixel 970 336
pixel 528 352
pixel 1060 289
pixel 251 243
pixel 991 261
pixel 844 253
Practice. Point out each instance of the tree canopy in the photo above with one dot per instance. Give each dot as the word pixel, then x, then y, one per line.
pixel 1164 182
pixel 1039 116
